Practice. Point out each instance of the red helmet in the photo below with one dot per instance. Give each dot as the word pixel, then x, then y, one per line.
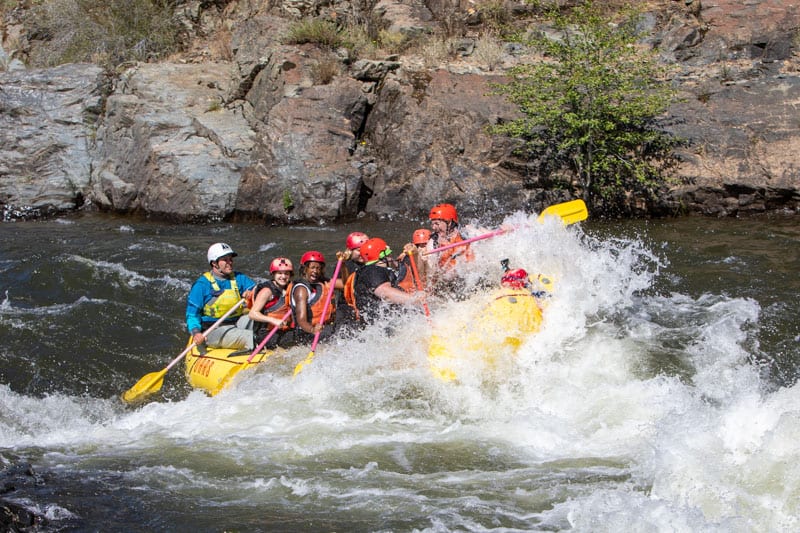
pixel 356 239
pixel 312 256
pixel 281 264
pixel 515 279
pixel 421 236
pixel 374 249
pixel 444 212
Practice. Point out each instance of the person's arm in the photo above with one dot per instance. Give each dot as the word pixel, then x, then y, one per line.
pixel 245 283
pixel 386 292
pixel 195 302
pixel 256 313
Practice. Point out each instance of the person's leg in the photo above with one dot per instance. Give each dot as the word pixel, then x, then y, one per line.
pixel 231 337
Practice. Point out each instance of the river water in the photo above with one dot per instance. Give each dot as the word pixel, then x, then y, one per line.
pixel 660 394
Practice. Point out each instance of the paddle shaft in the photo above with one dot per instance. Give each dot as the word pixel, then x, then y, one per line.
pixel 419 283
pixel 327 304
pixel 211 328
pixel 465 242
pixel 310 356
pixel 150 383
pixel 268 337
pixel 569 212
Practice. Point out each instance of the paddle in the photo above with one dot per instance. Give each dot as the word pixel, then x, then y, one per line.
pixel 152 382
pixel 420 288
pixel 569 212
pixel 310 356
pixel 268 337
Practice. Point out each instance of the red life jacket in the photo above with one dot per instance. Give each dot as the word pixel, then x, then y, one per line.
pixel 278 306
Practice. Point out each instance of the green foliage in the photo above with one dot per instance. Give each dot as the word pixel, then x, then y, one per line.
pixel 318 31
pixel 288 202
pixel 111 32
pixel 591 107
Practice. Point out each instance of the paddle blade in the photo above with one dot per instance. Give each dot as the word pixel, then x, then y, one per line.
pixel 149 384
pixel 304 362
pixel 568 212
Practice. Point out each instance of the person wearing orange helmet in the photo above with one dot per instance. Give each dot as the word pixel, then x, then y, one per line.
pixel 270 304
pixel 307 298
pixel 444 230
pixel 417 247
pixel 375 282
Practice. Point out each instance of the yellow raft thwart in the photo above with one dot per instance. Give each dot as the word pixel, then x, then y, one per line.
pixel 503 321
pixel 213 371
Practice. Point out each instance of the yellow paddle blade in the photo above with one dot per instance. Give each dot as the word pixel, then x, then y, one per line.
pixel 569 212
pixel 304 362
pixel 149 384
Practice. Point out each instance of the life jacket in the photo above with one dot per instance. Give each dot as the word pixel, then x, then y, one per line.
pixel 448 258
pixel 317 294
pixel 280 303
pixel 405 278
pixel 349 292
pixel 222 300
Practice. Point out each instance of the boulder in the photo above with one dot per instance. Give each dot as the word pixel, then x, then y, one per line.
pixel 47 119
pixel 168 146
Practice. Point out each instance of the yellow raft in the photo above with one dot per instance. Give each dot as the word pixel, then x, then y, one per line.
pixel 213 371
pixel 501 323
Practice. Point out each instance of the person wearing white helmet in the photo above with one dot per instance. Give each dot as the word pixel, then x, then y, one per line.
pixel 212 295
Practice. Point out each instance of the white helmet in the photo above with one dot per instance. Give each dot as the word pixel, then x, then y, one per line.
pixel 220 249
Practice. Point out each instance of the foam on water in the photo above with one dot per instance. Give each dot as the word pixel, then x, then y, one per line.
pixel 630 410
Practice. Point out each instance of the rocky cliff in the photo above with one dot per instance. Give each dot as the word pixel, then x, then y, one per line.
pixel 258 131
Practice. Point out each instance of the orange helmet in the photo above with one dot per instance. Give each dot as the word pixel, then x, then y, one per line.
pixel 312 256
pixel 444 212
pixel 281 264
pixel 515 279
pixel 374 249
pixel 356 239
pixel 421 236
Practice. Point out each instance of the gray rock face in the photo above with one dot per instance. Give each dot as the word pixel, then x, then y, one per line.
pixel 303 167
pixel 46 127
pixel 166 145
pixel 296 132
pixel 744 145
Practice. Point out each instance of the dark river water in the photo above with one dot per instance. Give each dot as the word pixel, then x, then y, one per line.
pixel 660 394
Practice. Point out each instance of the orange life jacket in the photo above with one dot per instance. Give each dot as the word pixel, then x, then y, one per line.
pixel 349 293
pixel 405 283
pixel 317 294
pixel 448 258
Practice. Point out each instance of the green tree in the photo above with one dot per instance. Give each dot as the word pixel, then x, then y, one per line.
pixel 590 110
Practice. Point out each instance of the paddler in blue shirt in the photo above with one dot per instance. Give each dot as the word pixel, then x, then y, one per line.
pixel 212 295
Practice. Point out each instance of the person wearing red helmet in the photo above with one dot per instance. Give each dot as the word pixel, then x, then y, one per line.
pixel 375 282
pixel 212 295
pixel 515 279
pixel 352 255
pixel 444 230
pixel 271 304
pixel 307 298
pixel 345 314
